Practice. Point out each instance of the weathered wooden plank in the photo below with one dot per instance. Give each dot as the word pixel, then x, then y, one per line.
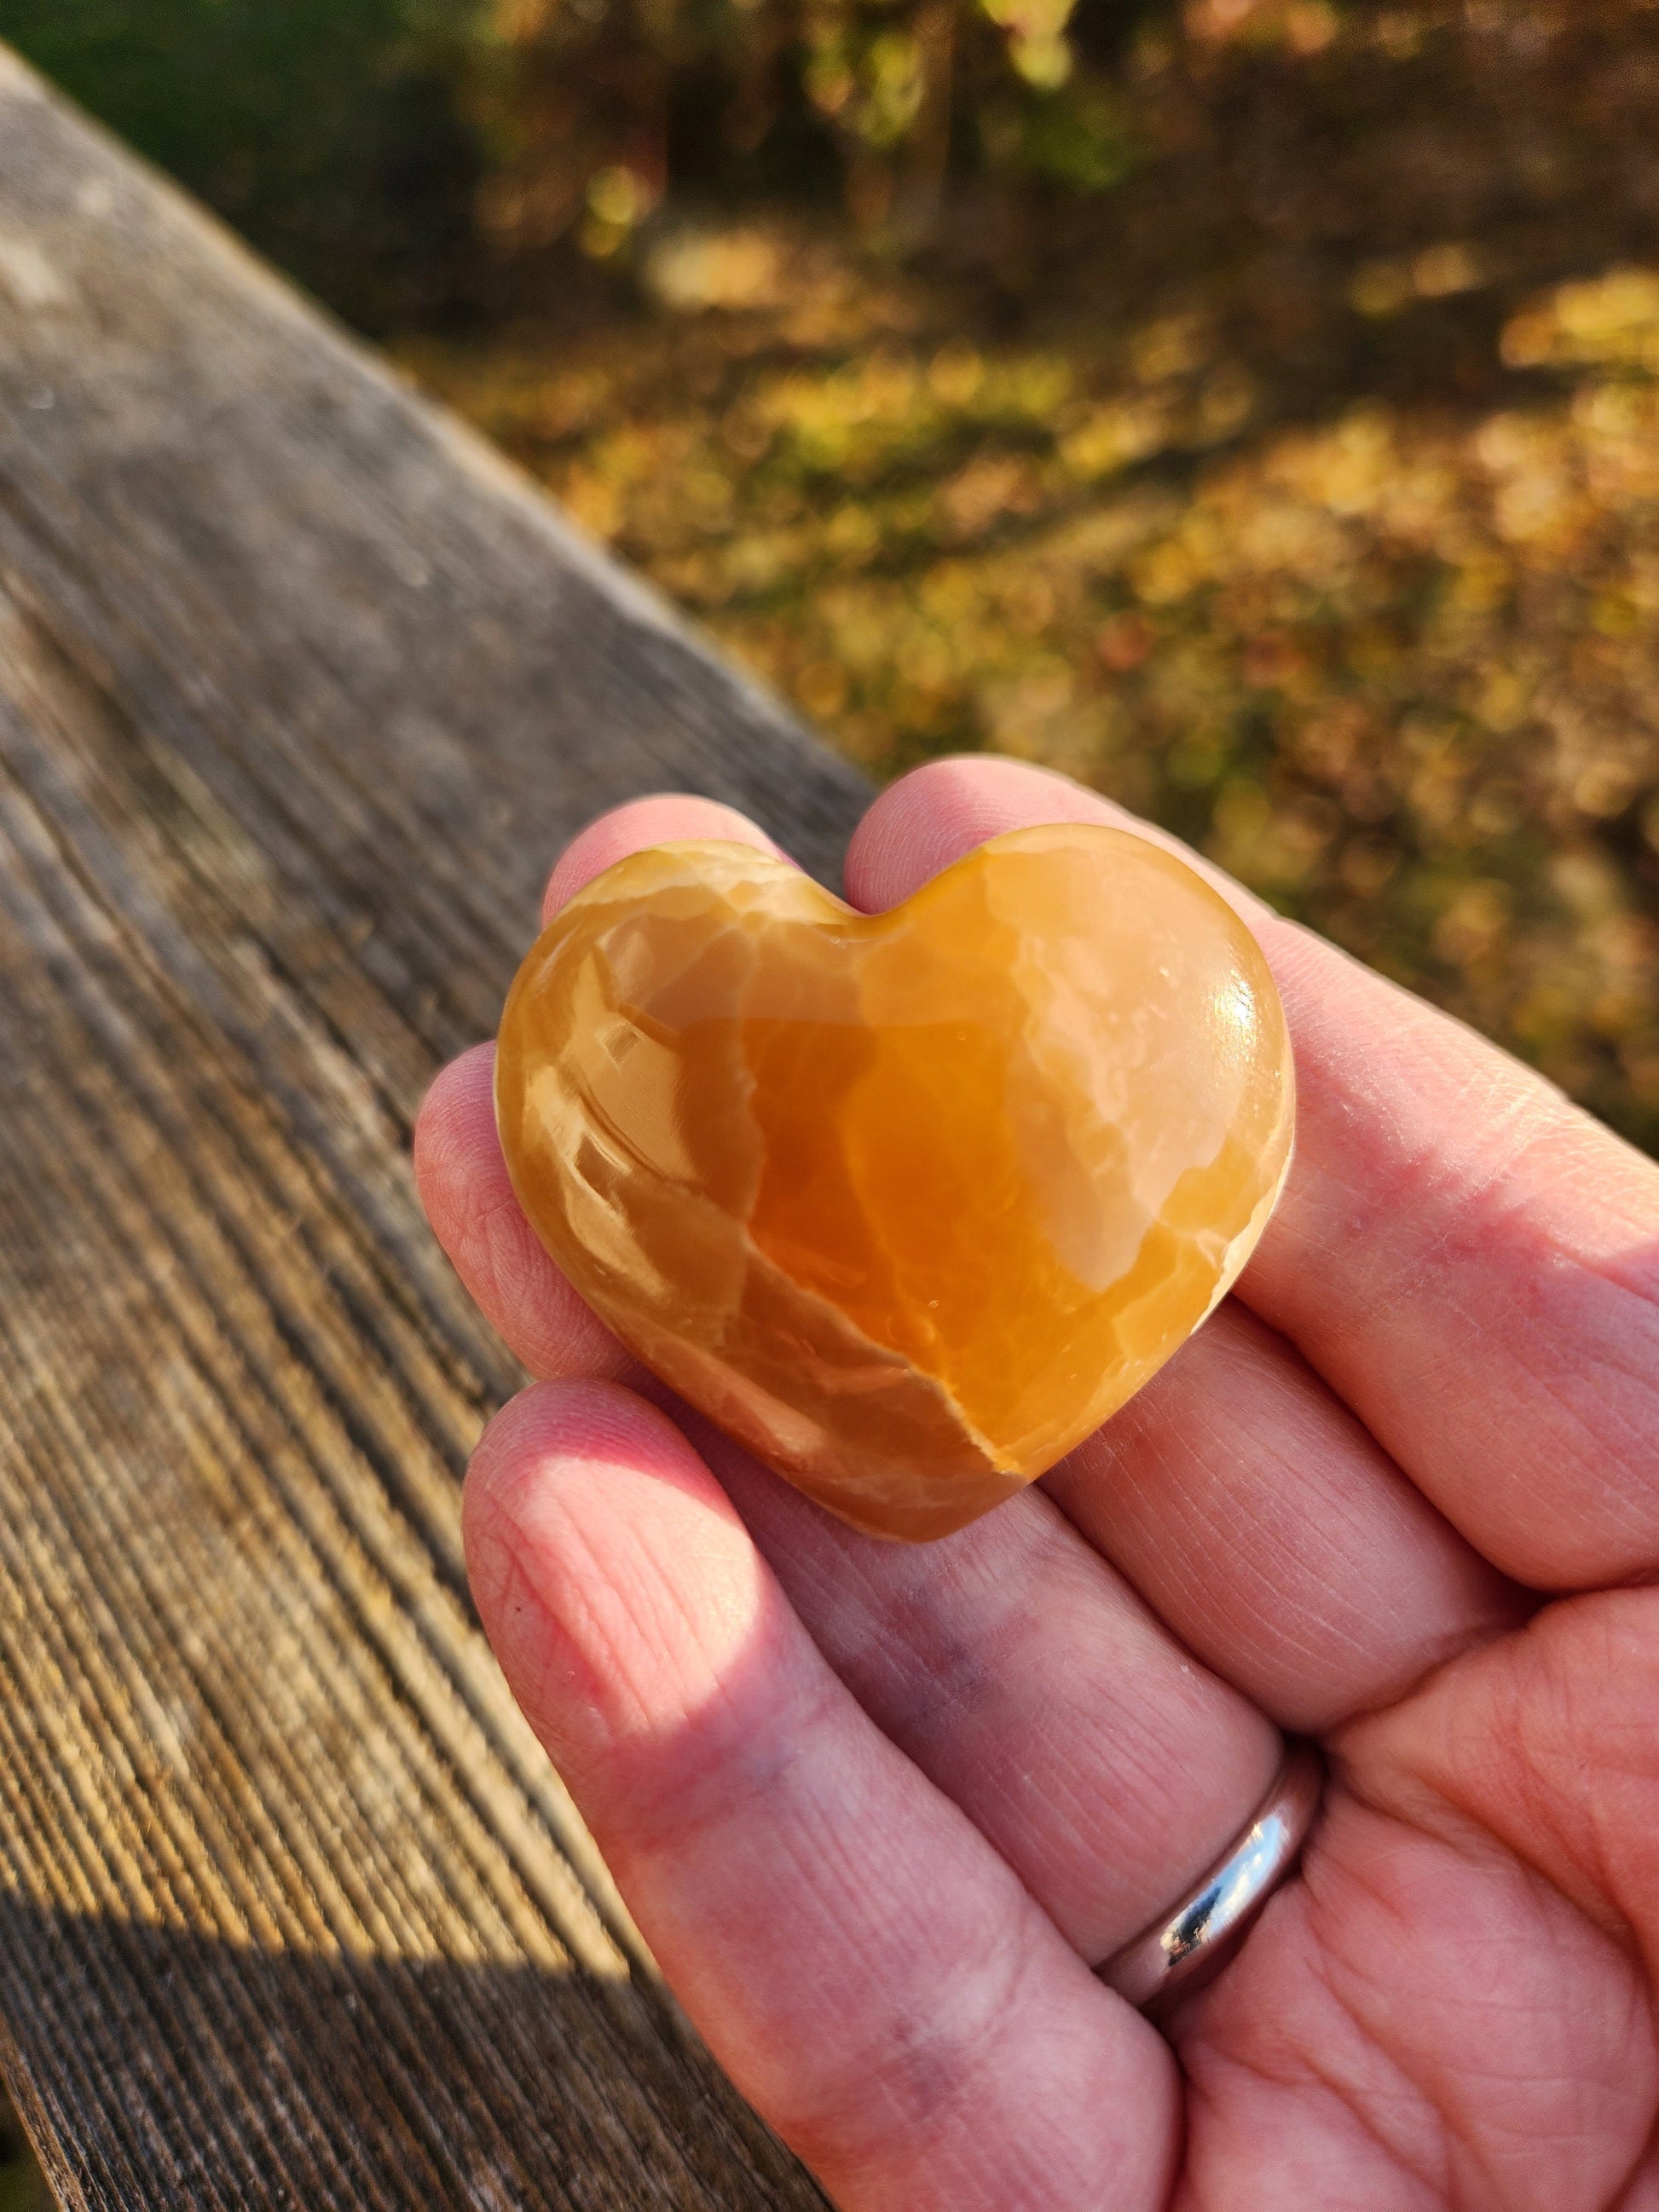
pixel 299 687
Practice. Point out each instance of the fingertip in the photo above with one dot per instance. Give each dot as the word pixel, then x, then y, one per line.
pixel 447 1123
pixel 665 817
pixel 522 1511
pixel 568 1424
pixel 605 1561
pixel 461 1176
pixel 946 808
pixel 531 1442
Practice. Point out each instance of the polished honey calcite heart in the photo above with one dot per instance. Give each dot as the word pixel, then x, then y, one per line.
pixel 907 1202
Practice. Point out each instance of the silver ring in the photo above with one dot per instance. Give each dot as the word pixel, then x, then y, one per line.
pixel 1180 1950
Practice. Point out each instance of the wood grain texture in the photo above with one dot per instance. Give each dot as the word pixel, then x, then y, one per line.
pixel 299 690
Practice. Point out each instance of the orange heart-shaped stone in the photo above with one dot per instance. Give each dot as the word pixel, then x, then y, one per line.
pixel 907 1202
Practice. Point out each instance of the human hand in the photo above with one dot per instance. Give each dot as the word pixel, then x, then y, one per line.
pixel 879 1811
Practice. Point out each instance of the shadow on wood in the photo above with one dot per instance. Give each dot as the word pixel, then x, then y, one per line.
pixel 241 2076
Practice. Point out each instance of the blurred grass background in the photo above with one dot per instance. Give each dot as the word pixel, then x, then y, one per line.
pixel 1250 406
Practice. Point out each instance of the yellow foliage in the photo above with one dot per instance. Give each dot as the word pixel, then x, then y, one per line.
pixel 1388 649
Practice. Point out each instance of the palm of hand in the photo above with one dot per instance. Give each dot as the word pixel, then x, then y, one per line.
pixel 879 1811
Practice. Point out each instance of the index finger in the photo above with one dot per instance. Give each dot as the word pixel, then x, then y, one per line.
pixel 1469 1260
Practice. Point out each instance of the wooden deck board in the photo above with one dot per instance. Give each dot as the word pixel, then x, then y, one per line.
pixel 300 690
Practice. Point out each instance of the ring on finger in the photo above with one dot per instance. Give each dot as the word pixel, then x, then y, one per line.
pixel 1186 1945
